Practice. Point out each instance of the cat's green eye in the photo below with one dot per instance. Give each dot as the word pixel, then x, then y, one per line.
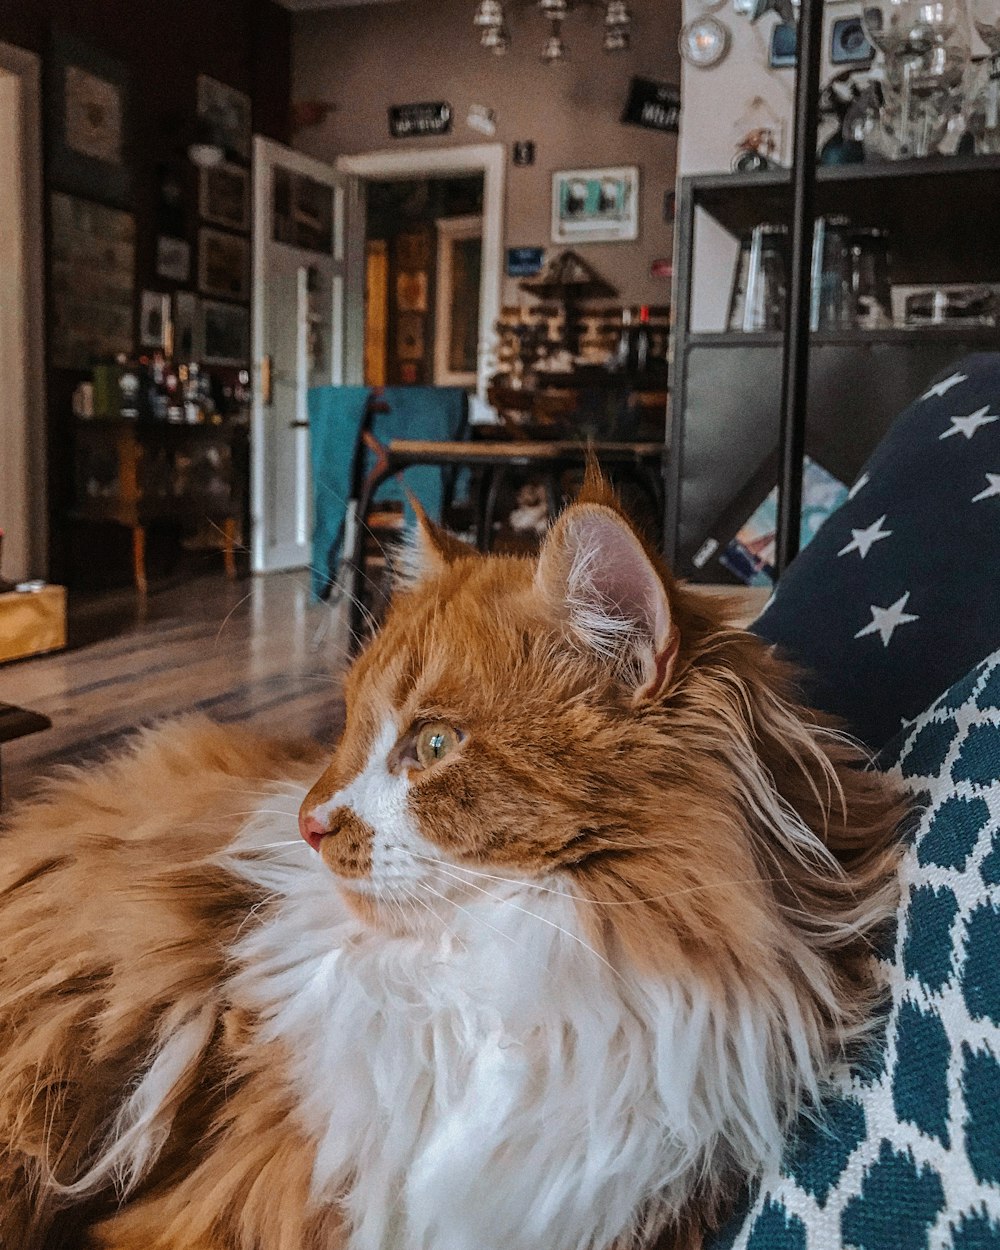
pixel 434 741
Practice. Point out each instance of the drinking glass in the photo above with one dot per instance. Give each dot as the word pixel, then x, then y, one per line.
pixel 926 45
pixel 758 299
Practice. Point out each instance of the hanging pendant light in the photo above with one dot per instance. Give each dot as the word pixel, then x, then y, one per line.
pixel 490 20
pixel 489 15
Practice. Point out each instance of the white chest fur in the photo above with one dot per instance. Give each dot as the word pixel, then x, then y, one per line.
pixel 500 1084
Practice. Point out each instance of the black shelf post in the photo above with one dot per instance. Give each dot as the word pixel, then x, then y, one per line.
pixel 795 358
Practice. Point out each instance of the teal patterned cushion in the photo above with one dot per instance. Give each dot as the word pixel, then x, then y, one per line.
pixel 907 1155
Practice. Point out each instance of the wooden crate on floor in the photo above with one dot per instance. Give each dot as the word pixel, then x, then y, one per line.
pixel 32 622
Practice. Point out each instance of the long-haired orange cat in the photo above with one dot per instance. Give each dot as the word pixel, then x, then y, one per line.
pixel 581 920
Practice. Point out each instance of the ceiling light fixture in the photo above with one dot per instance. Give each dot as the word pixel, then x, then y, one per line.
pixel 491 21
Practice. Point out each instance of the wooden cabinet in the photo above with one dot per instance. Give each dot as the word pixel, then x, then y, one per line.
pixel 135 474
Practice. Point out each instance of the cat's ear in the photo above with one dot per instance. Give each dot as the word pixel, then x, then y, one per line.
pixel 595 573
pixel 429 548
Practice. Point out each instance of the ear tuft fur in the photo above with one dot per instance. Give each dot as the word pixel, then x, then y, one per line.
pixel 427 550
pixel 595 573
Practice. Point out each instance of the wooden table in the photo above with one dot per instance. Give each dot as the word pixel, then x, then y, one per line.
pixel 643 460
pixel 18 722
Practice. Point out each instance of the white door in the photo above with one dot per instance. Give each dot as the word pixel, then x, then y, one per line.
pixel 308 300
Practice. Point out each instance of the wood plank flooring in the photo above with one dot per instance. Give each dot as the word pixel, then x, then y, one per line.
pixel 255 651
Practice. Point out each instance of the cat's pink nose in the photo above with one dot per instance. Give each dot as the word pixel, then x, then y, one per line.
pixel 313 830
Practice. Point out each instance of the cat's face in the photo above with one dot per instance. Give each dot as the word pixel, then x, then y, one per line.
pixel 497 722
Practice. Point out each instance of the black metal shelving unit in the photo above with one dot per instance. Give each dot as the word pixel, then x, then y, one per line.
pixel 941 214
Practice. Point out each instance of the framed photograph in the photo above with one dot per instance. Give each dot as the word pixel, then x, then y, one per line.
pixel 187 326
pixel 92 276
pixel 223 264
pixel 87 104
pixel 154 316
pixel 595 205
pixel 173 259
pixel 225 333
pixel 224 196
pixel 227 112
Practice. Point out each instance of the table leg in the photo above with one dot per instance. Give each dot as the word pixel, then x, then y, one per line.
pixel 139 558
pixel 483 487
pixel 229 551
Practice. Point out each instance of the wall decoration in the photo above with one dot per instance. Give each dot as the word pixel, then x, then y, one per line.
pixel 87 103
pixel 223 264
pixel 227 114
pixel 93 280
pixel 662 268
pixel 410 336
pixel 173 259
pixel 524 152
pixel 524 262
pixel 849 44
pixel 704 42
pixel 413 249
pixel 482 119
pixel 758 137
pixel 224 196
pixel 154 317
pixel 411 292
pixel 595 205
pixel 410 121
pixel 653 105
pixel 187 324
pixel 783 48
pixel 225 333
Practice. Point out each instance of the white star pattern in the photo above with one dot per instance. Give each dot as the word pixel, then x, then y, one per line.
pixel 860 484
pixel 991 491
pixel 945 385
pixel 968 425
pixel 862 541
pixel 885 621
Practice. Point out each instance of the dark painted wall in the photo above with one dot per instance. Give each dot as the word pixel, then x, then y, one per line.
pixel 166 44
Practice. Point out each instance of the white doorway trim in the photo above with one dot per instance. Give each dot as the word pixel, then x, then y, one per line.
pixel 23 450
pixel 489 159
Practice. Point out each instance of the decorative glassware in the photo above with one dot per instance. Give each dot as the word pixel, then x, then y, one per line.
pixel 983 112
pixel 926 47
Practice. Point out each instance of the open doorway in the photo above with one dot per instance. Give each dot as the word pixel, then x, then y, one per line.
pixel 473 249
pixel 22 414
pixel 423 263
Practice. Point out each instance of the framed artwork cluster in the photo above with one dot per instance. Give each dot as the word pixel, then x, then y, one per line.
pixel 100 307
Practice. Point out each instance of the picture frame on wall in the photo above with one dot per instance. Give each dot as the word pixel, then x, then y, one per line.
pixel 227 112
pixel 595 205
pixel 154 317
pixel 87 94
pixel 173 258
pixel 187 327
pixel 92 276
pixel 224 333
pixel 223 264
pixel 224 196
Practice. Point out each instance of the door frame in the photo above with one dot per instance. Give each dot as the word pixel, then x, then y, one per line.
pixel 489 159
pixel 346 348
pixel 23 425
pixel 450 230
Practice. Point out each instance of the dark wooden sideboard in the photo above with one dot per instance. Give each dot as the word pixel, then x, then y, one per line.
pixel 138 473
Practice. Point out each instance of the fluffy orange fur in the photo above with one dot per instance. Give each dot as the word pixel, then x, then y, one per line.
pixel 116 921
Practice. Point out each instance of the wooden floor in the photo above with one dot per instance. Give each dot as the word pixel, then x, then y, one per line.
pixel 255 651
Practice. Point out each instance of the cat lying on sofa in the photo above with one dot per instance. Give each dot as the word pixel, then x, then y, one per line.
pixel 579 921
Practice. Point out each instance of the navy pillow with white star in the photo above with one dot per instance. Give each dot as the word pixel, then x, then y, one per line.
pixel 899 593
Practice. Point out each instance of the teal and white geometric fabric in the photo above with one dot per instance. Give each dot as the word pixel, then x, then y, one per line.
pixel 908 1155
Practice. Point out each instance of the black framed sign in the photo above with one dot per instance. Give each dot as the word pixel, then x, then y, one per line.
pixel 88 111
pixel 410 121
pixel 653 105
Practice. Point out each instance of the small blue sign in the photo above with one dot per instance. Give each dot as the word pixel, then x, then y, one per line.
pixel 524 262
